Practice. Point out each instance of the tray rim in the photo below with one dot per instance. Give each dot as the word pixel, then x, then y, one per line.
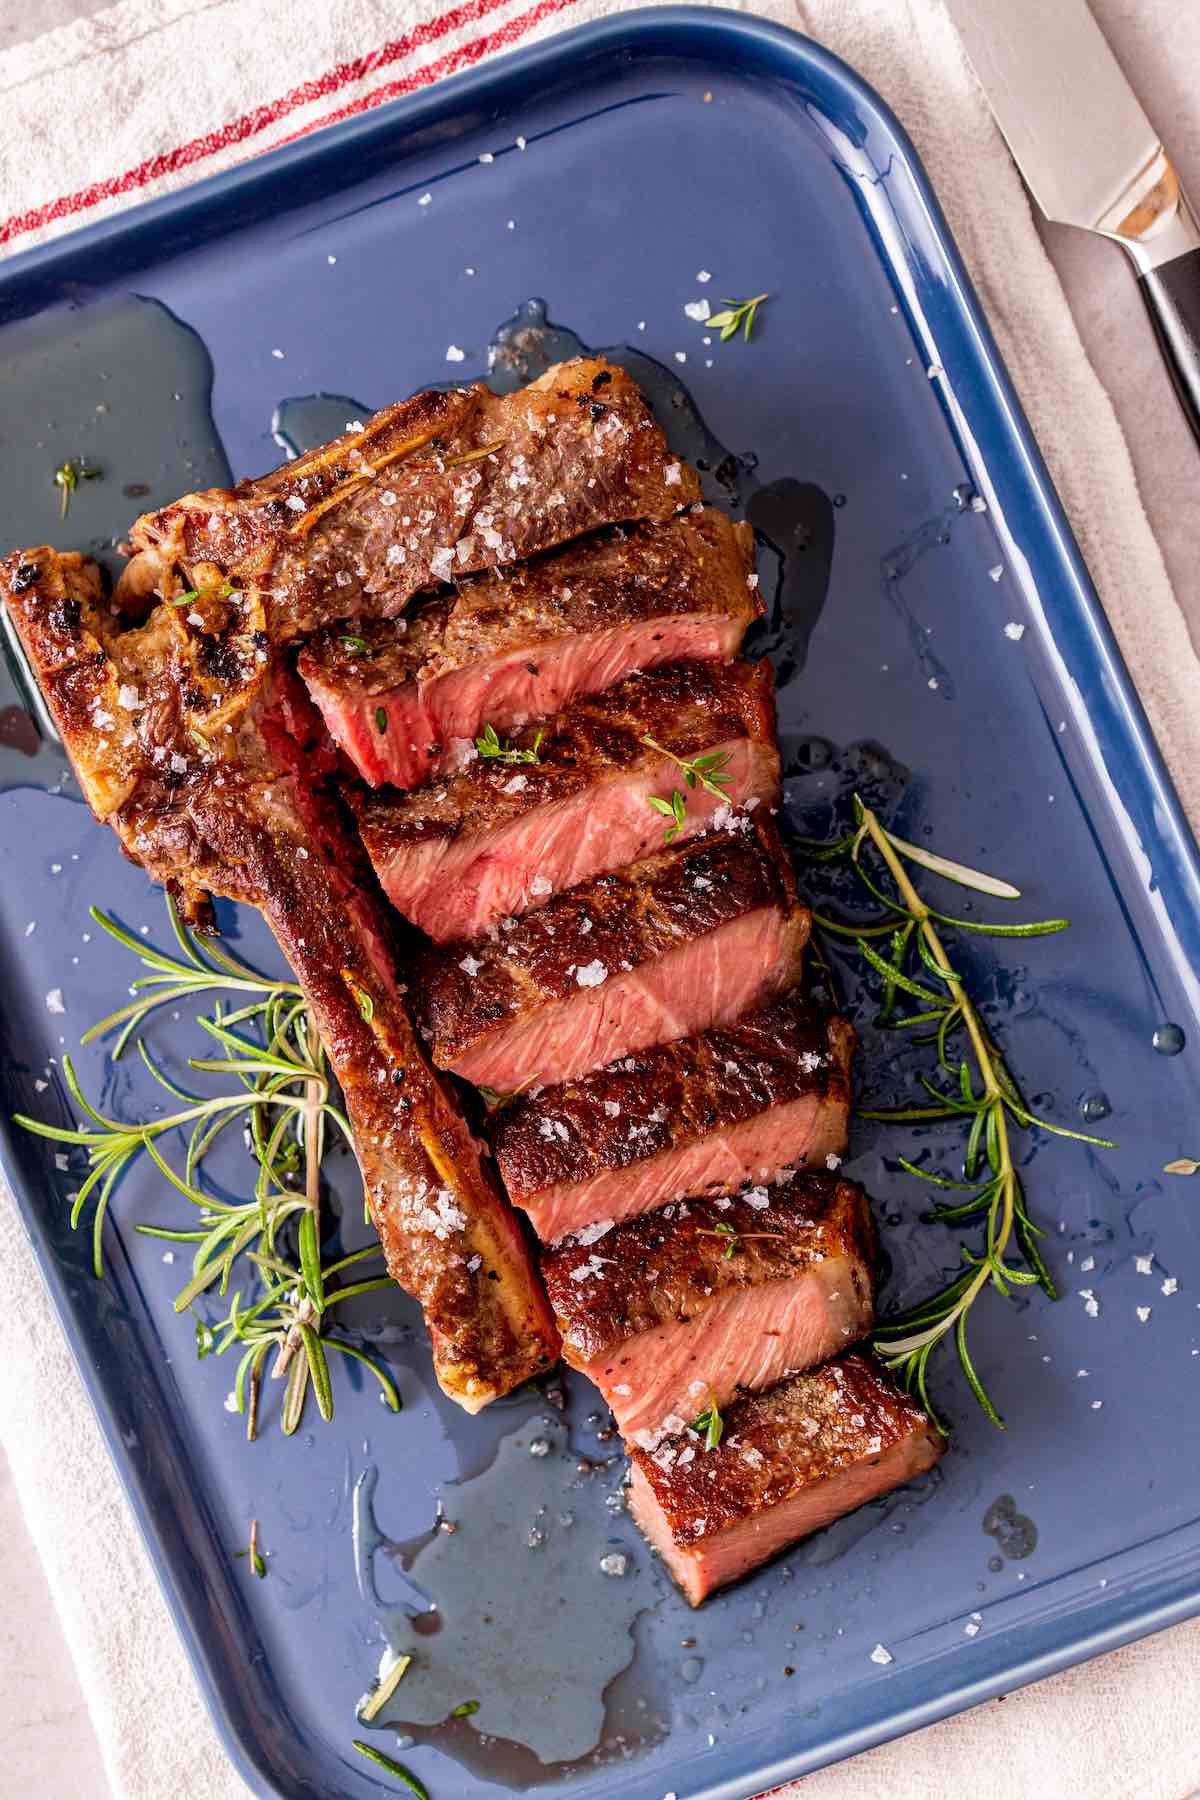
pixel 754 46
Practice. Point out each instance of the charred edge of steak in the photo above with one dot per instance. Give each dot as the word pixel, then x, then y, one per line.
pixel 666 1266
pixel 697 562
pixel 437 486
pixel 684 706
pixel 807 1430
pixel 625 919
pixel 659 1098
pixel 236 819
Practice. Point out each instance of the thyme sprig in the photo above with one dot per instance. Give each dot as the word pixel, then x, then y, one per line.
pixel 978 1090
pixel 739 316
pixel 707 771
pixel 280 1090
pixel 490 745
pixel 732 1237
pixel 257 1561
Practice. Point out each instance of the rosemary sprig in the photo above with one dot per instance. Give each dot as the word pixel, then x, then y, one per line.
pixel 710 1423
pixel 392 1767
pixel 67 477
pixel 280 1091
pixel 979 1090
pixel 489 745
pixel 740 316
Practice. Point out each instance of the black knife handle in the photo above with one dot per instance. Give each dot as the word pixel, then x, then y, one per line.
pixel 1172 293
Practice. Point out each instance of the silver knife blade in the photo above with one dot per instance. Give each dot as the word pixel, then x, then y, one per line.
pixel 1078 134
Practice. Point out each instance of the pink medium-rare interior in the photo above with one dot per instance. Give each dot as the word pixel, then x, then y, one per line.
pixel 714 1562
pixel 748 1338
pixel 800 1133
pixel 430 721
pixel 711 980
pixel 460 887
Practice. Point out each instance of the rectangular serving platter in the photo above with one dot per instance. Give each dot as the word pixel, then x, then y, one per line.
pixel 187 339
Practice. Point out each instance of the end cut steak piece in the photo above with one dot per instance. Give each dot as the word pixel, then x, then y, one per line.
pixel 740 1103
pixel 692 937
pixel 519 645
pixel 187 748
pixel 674 1311
pixel 791 1461
pixel 440 485
pixel 494 839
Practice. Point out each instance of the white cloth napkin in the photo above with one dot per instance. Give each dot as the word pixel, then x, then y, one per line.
pixel 171 89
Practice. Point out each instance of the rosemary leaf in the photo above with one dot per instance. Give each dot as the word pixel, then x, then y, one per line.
pixel 393 1768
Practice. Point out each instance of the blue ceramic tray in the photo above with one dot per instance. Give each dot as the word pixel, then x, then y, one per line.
pixel 167 346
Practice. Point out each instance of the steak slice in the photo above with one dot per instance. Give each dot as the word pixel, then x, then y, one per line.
pixel 494 839
pixel 791 1461
pixel 674 1311
pixel 740 1103
pixel 694 936
pixel 518 646
pixel 440 485
pixel 187 749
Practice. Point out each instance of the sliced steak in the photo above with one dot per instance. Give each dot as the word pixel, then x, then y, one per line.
pixel 791 1461
pixel 187 747
pixel 520 645
pixel 494 839
pixel 703 1115
pixel 440 485
pixel 692 937
pixel 674 1311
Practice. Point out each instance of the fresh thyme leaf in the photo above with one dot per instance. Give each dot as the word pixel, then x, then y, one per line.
pixel 738 316
pixel 707 770
pixel 722 1231
pixel 710 1423
pixel 254 1553
pixel 384 1690
pixel 465 1711
pixel 198 738
pixel 358 645
pixel 490 746
pixel 393 1768
pixel 185 599
pixel 381 719
pixel 67 477
pixel 363 1000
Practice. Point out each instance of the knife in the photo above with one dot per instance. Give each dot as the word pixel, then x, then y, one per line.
pixel 1090 156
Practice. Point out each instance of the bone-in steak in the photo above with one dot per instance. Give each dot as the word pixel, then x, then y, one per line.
pixel 496 838
pixel 694 936
pixel 699 1116
pixel 520 645
pixel 437 486
pixel 186 747
pixel 791 1460
pixel 678 1309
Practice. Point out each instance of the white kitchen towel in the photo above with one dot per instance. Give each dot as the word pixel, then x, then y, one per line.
pixel 148 94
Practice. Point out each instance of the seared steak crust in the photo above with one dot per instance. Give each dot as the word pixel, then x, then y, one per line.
pixel 665 1267
pixel 661 1098
pixel 437 486
pixel 805 1431
pixel 685 707
pixel 182 744
pixel 698 561
pixel 624 919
